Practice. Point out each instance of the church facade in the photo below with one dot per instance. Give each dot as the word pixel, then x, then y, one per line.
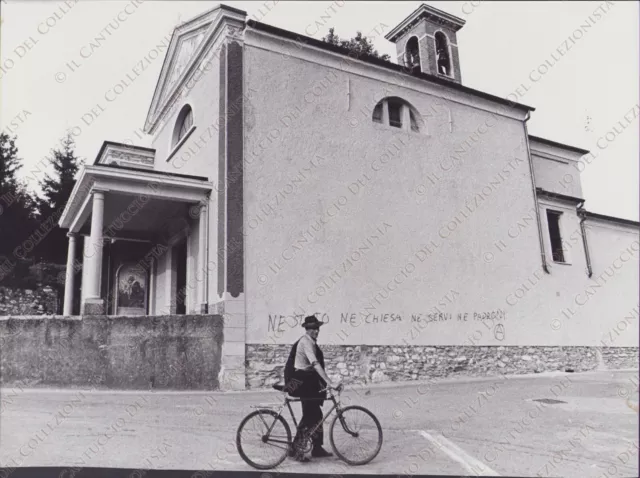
pixel 415 216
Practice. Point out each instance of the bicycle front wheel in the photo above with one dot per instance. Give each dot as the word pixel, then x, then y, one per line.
pixel 263 439
pixel 356 435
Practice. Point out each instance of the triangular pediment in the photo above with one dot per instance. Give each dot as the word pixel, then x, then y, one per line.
pixel 189 43
pixel 185 50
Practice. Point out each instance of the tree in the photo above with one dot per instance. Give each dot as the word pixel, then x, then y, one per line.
pixel 358 44
pixel 17 207
pixel 57 190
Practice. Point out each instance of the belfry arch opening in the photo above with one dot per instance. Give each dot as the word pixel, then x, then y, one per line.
pixel 443 61
pixel 412 55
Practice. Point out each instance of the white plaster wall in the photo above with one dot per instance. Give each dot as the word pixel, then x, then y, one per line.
pixel 194 274
pixel 331 126
pixel 195 156
pixel 557 176
pixel 166 275
pixel 552 305
pixel 614 307
pixel 199 154
pixel 163 283
pixel 212 253
pixel 86 250
pixel 471 266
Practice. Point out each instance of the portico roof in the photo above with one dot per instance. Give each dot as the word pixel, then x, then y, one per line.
pixel 128 181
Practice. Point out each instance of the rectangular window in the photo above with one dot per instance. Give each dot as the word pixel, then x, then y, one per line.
pixel 395 115
pixel 553 219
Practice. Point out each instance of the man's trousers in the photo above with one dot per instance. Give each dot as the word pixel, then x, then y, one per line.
pixel 311 400
pixel 311 416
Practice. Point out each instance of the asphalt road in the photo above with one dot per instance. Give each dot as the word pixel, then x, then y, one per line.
pixel 483 427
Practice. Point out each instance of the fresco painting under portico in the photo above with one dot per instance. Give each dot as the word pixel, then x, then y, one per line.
pixel 276 156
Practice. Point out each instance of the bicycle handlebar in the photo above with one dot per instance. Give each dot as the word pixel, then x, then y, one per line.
pixel 339 388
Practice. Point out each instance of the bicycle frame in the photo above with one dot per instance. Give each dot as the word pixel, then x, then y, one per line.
pixel 288 401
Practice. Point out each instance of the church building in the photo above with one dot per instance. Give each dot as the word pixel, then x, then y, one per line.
pixel 415 216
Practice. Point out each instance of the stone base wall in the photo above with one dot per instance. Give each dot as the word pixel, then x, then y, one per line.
pixel 179 352
pixel 18 301
pixel 371 364
pixel 620 357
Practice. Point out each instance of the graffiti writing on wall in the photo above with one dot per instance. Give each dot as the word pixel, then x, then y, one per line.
pixel 492 315
pixel 354 320
pixel 280 323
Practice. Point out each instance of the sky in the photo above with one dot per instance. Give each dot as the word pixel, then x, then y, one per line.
pixel 56 76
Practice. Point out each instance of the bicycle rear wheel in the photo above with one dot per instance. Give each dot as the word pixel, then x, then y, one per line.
pixel 356 435
pixel 263 439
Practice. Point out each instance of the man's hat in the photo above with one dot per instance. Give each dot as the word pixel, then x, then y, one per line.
pixel 311 322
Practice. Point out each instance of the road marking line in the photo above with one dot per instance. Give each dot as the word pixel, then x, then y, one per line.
pixel 458 454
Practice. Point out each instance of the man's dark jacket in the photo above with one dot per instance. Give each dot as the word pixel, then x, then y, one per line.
pixel 300 383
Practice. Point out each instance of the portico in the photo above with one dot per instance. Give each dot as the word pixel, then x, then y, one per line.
pixel 143 235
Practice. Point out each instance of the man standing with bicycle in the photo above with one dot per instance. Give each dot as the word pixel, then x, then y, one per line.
pixel 356 434
pixel 305 368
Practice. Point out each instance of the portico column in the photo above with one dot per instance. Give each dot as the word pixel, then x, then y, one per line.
pixel 94 305
pixel 202 257
pixel 69 277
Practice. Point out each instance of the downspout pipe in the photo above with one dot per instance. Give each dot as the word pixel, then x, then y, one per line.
pixel 205 272
pixel 543 256
pixel 583 217
pixel 206 257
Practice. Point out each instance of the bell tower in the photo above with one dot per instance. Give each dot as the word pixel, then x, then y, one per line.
pixel 426 42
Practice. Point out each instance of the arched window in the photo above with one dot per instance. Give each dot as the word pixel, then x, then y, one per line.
pixel 183 124
pixel 412 54
pixel 397 113
pixel 442 54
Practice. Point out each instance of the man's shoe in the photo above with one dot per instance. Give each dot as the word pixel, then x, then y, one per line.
pixel 293 453
pixel 320 453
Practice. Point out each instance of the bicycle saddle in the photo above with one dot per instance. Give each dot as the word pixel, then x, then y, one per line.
pixel 279 387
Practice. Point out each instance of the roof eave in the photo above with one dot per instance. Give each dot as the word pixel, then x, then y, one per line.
pixel 555 144
pixel 386 64
pixel 64 222
pixel 452 21
pixel 562 197
pixel 618 220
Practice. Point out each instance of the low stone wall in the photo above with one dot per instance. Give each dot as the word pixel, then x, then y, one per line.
pixel 366 364
pixel 17 301
pixel 163 352
pixel 620 357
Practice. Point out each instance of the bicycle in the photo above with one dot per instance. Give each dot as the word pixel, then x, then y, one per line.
pixel 276 436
